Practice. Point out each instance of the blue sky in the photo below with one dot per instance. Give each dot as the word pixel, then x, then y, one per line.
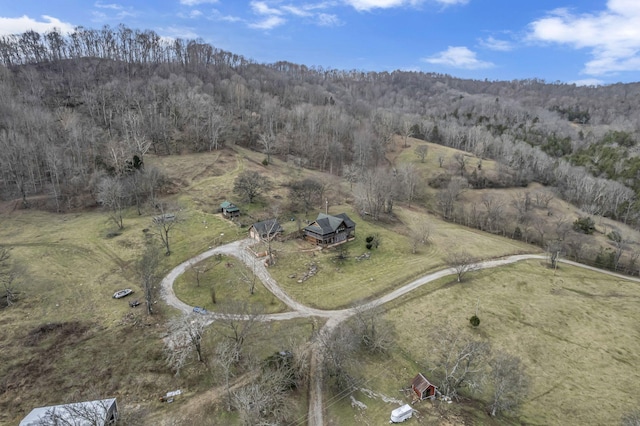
pixel 573 41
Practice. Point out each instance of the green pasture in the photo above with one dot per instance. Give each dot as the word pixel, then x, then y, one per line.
pixel 575 331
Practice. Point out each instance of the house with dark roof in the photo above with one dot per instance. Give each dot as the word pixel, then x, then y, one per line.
pixel 422 387
pixel 229 209
pixel 265 230
pixel 329 230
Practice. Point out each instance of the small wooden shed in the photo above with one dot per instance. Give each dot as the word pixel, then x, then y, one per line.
pixel 229 209
pixel 422 387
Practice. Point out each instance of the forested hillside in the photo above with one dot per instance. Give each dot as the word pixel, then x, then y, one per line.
pixel 81 111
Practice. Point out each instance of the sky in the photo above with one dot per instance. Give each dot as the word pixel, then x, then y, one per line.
pixel 586 42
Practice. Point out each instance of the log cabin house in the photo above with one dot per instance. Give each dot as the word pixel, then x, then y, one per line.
pixel 329 230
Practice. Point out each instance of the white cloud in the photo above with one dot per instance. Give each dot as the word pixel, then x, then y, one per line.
pixel 272 14
pixel 197 2
pixel 24 23
pixel 452 2
pixel 612 35
pixel 262 8
pixel 112 6
pixel 297 11
pixel 195 13
pixel 268 23
pixel 174 32
pixel 365 5
pixel 588 82
pixel 495 44
pixel 458 57
pixel 327 20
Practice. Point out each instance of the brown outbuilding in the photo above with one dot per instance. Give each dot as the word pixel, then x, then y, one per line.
pixel 422 387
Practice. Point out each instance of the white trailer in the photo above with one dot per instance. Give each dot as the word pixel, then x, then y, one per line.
pixel 401 414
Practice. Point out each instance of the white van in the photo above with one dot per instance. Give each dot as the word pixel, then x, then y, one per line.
pixel 401 414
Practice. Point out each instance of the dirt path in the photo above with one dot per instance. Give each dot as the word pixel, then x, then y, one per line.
pixel 239 250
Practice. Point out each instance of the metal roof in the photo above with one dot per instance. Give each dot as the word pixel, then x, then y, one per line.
pixel 87 413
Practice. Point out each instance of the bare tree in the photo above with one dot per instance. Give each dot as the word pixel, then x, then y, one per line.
pixel 619 245
pixel 522 202
pixel 543 199
pixel 421 152
pixel 554 250
pixel 376 334
pixel 376 191
pixel 494 212
pixel 407 132
pixel 265 400
pixel 239 322
pixel 147 268
pixel 562 227
pixel 250 184
pixel 8 279
pixel 111 194
pixel 461 262
pixel 307 192
pixel 198 270
pixel 540 225
pixel 167 218
pixel 460 360
pixel 248 275
pixel 448 196
pixel 226 358
pixel 268 142
pixel 216 123
pixel 510 383
pixel 183 339
pixel 338 348
pixel 350 172
pixel 420 233
pixel 461 161
pixel 410 180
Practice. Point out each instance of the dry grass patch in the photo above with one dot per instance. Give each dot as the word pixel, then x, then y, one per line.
pixel 228 277
pixel 340 284
pixel 576 332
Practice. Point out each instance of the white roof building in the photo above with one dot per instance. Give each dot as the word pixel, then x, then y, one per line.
pixel 101 412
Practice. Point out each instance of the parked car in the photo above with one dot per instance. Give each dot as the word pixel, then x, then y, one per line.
pixel 199 310
pixel 122 293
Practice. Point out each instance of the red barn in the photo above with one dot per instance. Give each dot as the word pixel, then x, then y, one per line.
pixel 422 387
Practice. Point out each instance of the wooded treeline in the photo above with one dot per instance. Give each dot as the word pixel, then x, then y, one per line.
pixel 82 107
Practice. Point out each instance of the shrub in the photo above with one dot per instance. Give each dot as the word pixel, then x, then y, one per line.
pixel 373 241
pixel 474 320
pixel 585 225
pixel 517 233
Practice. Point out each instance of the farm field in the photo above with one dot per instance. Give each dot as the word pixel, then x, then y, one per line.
pixel 575 330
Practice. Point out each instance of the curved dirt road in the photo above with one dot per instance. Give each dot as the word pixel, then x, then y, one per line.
pixel 239 250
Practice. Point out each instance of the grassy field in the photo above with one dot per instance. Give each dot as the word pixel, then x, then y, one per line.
pixel 227 276
pixel 341 284
pixel 67 338
pixel 575 331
